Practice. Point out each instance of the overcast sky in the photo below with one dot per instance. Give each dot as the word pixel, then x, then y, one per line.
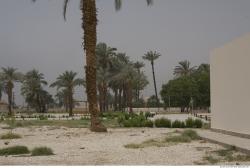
pixel 34 35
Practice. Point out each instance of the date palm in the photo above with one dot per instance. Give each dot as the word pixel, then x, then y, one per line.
pixel 89 24
pixel 184 69
pixel 9 77
pixel 32 90
pixel 138 65
pixel 68 81
pixel 151 56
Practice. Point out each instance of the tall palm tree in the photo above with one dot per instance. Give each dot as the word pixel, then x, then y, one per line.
pixel 138 65
pixel 68 81
pixel 9 77
pixel 89 24
pixel 151 56
pixel 32 89
pixel 184 69
pixel 1 89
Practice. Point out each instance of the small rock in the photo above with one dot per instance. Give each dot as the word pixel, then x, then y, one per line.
pixel 142 131
pixel 82 148
pixel 6 143
pixel 237 163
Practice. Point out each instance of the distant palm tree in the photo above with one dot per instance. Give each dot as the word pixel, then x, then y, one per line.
pixel 9 77
pixel 32 89
pixel 184 69
pixel 152 56
pixel 89 24
pixel 138 65
pixel 68 81
pixel 1 89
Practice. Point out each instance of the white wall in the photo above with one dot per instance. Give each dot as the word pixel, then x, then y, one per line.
pixel 230 86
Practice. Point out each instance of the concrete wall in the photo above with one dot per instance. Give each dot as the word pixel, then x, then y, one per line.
pixel 230 86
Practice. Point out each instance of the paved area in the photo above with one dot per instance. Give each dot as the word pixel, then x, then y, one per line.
pixel 243 144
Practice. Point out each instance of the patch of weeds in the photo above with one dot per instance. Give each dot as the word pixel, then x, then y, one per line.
pixel 14 150
pixel 178 139
pixel 147 143
pixel 10 135
pixel 163 123
pixel 42 151
pixel 210 159
pixel 191 134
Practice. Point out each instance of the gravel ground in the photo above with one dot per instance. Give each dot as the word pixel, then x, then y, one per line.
pixel 79 146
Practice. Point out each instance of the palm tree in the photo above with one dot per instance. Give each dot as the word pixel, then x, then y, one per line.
pixel 89 24
pixel 184 69
pixel 68 81
pixel 138 65
pixel 1 89
pixel 9 77
pixel 152 56
pixel 32 90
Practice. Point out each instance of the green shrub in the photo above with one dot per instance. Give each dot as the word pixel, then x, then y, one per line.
pixel 163 122
pixel 191 134
pixel 41 151
pixel 43 117
pixel 198 123
pixel 178 139
pixel 120 119
pixel 149 123
pixel 14 150
pixel 189 123
pixel 178 124
pixel 127 123
pixel 147 115
pixel 10 135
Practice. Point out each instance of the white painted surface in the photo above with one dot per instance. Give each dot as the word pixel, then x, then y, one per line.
pixel 230 86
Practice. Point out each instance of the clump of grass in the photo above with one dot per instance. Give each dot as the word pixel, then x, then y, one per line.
pixel 163 123
pixel 10 135
pixel 191 134
pixel 133 146
pixel 14 150
pixel 42 151
pixel 211 159
pixel 178 124
pixel 178 139
pixel 147 143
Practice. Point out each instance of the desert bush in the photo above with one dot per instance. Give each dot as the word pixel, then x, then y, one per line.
pixel 178 139
pixel 149 123
pixel 14 150
pixel 178 124
pixel 191 134
pixel 10 135
pixel 163 122
pixel 198 123
pixel 43 117
pixel 42 151
pixel 189 122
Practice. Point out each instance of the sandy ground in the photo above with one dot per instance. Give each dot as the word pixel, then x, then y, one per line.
pixel 79 146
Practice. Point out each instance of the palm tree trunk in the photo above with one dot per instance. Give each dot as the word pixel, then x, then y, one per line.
pixel 71 103
pixel 115 101
pixel 10 101
pixel 89 23
pixel 156 95
pixel 129 95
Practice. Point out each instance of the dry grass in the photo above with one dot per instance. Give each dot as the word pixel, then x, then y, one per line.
pixel 10 135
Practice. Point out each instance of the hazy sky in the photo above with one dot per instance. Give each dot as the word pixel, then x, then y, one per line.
pixel 34 35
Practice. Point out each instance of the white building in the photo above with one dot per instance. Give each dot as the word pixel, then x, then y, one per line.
pixel 230 87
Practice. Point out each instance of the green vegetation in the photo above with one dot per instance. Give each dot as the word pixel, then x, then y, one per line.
pixel 10 135
pixel 163 122
pixel 225 155
pixel 193 123
pixel 185 137
pixel 178 124
pixel 42 151
pixel 14 150
pixel 189 89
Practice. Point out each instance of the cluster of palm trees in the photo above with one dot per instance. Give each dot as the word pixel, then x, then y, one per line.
pixel 32 88
pixel 116 73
